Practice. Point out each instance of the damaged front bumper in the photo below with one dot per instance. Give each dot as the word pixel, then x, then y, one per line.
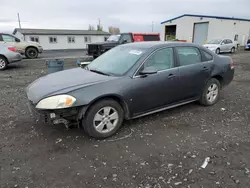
pixel 68 117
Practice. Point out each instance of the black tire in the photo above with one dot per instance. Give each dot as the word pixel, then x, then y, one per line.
pixel 233 50
pixel 204 99
pixel 88 121
pixel 217 51
pixel 95 56
pixel 3 63
pixel 31 53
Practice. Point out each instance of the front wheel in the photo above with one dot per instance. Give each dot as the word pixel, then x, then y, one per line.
pixel 103 119
pixel 211 92
pixel 217 51
pixel 233 50
pixel 31 53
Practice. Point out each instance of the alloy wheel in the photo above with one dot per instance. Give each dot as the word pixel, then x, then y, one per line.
pixel 2 64
pixel 106 119
pixel 212 92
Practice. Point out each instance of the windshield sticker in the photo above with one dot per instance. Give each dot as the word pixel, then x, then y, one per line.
pixel 135 52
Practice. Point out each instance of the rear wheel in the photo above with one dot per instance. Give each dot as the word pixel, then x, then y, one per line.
pixel 3 63
pixel 103 119
pixel 31 53
pixel 217 51
pixel 211 92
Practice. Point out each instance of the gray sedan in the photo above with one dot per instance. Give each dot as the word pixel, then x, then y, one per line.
pixel 130 81
pixel 8 55
pixel 218 46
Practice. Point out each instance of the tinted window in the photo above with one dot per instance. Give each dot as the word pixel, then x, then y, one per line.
pixel 188 55
pixel 206 56
pixel 224 41
pixel 248 41
pixel 161 59
pixel 126 37
pixel 8 38
pixel 151 38
pixel 229 41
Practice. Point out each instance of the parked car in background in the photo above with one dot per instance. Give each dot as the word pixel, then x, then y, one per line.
pixel 29 49
pixel 130 81
pixel 8 55
pixel 96 49
pixel 221 45
pixel 247 47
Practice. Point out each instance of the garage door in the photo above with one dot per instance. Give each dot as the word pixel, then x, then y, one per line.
pixel 200 33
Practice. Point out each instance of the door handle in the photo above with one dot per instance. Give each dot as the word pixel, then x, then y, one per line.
pixel 170 76
pixel 205 69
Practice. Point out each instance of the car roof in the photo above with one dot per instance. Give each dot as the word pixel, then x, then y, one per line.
pixel 157 44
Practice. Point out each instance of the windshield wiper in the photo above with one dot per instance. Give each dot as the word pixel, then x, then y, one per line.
pixel 99 72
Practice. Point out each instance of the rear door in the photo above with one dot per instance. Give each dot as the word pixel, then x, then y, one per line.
pixel 194 72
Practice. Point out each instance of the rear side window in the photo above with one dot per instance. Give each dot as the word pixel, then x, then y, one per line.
pixel 151 37
pixel 206 56
pixel 188 55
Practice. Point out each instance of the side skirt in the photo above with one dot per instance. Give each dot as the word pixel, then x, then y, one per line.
pixel 164 108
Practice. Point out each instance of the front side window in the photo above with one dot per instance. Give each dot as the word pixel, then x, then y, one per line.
pixel 188 55
pixel 8 38
pixel 224 42
pixel 151 38
pixel 161 60
pixel 52 40
pixel 126 38
pixel 229 41
pixel 117 61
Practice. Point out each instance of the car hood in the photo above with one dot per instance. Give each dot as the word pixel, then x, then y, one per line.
pixel 63 82
pixel 211 45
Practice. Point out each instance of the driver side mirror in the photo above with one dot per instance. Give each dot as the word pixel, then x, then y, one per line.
pixel 17 40
pixel 148 70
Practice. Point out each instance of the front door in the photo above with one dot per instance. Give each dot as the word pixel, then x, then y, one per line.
pixel 193 72
pixel 154 91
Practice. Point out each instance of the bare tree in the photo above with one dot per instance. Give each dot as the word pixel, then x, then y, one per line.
pixel 91 27
pixel 114 30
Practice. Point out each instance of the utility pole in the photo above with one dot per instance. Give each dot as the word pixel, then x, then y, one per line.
pixel 19 21
pixel 152 26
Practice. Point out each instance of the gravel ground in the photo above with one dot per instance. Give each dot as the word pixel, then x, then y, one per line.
pixel 162 150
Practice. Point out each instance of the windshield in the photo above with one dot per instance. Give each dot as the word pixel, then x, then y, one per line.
pixel 116 61
pixel 114 38
pixel 215 41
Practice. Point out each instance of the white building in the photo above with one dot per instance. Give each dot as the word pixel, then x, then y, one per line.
pixel 200 28
pixel 56 39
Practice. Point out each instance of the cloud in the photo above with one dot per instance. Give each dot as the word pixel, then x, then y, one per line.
pixel 129 15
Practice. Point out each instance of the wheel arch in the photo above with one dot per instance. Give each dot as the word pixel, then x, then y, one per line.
pixel 114 97
pixel 31 47
pixel 1 55
pixel 219 78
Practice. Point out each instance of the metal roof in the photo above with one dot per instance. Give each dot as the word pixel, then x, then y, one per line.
pixel 206 16
pixel 26 31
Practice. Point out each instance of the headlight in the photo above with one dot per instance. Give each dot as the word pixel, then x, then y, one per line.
pixel 56 102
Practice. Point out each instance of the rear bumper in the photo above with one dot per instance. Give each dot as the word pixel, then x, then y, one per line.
pixel 15 58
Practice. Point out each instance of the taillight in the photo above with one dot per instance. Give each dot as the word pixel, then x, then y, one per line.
pixel 232 65
pixel 13 49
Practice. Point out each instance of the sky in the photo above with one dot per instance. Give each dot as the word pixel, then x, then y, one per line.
pixel 128 15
